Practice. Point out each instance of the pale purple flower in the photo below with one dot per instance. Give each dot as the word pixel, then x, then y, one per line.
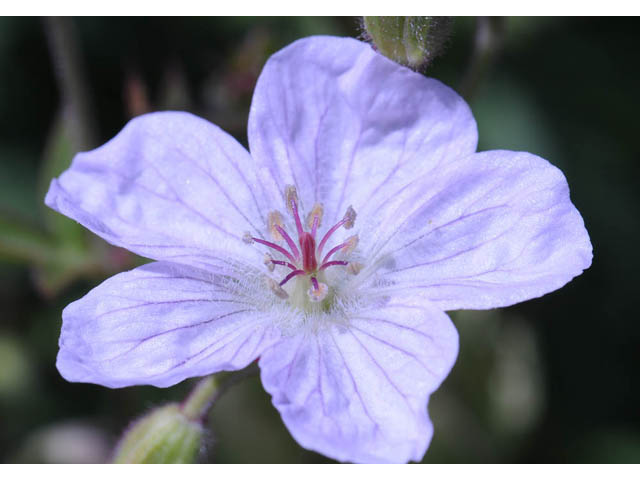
pixel 253 258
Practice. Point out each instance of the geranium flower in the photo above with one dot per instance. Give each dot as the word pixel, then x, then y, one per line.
pixel 330 252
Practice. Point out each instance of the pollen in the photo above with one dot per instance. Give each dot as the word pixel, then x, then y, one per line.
pixel 291 198
pixel 314 219
pixel 317 291
pixel 349 218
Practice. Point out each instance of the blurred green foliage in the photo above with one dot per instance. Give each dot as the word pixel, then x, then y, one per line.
pixel 550 380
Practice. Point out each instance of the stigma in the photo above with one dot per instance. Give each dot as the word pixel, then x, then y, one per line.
pixel 303 257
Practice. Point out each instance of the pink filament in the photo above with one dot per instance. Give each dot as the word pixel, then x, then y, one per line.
pixel 334 250
pixel 285 264
pixel 295 273
pixel 314 228
pixel 287 238
pixel 294 207
pixel 329 233
pixel 275 247
pixel 334 262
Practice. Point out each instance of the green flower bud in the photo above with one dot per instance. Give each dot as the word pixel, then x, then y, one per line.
pixel 410 41
pixel 166 435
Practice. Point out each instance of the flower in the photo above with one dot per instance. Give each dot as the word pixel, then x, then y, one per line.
pixel 253 256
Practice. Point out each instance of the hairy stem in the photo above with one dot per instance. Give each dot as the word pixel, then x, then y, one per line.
pixel 208 390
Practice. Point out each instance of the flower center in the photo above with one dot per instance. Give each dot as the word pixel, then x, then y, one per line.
pixel 302 258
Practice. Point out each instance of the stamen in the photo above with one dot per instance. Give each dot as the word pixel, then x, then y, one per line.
pixel 354 268
pixel 275 220
pixel 350 217
pixel 247 238
pixel 291 196
pixel 268 261
pixel 332 263
pixel 295 273
pixel 302 256
pixel 347 247
pixel 277 248
pixel 287 238
pixel 277 289
pixel 348 220
pixel 318 290
pixel 314 219
pixel 284 264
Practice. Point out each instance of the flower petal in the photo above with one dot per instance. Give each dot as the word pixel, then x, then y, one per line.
pixel 169 186
pixel 349 126
pixel 492 230
pixel 157 325
pixel 359 393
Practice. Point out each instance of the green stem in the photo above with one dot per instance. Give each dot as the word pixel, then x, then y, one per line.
pixel 488 40
pixel 67 61
pixel 210 389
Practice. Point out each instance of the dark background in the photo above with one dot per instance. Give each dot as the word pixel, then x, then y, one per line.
pixel 549 380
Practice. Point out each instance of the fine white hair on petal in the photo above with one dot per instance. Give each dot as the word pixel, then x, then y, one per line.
pixel 161 323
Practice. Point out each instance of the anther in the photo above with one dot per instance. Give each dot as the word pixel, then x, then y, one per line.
pixel 314 219
pixel 347 221
pixel 268 261
pixel 354 268
pixel 349 218
pixel 351 244
pixel 275 220
pixel 291 198
pixel 318 290
pixel 247 238
pixel 277 289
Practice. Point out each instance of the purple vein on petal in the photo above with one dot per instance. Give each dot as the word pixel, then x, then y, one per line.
pixel 355 385
pixel 182 327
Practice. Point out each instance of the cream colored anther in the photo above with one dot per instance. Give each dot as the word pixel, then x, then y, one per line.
pixel 277 289
pixel 349 218
pixel 316 211
pixel 275 220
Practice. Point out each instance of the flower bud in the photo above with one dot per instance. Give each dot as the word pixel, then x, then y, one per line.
pixel 165 435
pixel 410 41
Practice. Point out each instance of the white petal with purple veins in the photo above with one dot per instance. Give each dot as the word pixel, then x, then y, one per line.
pixel 169 186
pixel 358 392
pixel 159 324
pixel 348 126
pixel 492 230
